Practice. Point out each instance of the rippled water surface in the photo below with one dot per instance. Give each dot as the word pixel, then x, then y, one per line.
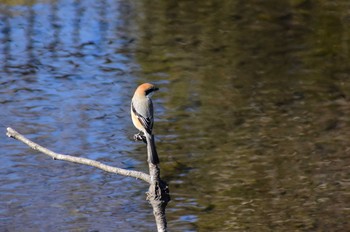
pixel 252 120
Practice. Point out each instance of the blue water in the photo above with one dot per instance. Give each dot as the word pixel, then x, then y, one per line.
pixel 65 85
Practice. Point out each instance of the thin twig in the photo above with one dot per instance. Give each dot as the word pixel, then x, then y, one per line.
pixel 138 175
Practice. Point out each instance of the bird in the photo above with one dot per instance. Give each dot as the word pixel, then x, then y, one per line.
pixel 142 118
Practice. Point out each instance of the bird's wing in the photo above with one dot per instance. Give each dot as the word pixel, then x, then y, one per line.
pixel 146 122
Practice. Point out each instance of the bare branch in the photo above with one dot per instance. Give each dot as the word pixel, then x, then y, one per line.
pixel 136 174
pixel 158 194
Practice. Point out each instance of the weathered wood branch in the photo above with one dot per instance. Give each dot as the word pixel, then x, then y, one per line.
pixel 158 194
pixel 120 171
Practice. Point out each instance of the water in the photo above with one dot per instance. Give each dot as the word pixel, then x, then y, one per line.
pixel 251 123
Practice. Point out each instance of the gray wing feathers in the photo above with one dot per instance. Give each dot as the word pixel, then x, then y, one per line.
pixel 144 114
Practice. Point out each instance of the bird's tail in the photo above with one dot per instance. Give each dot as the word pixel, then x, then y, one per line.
pixel 151 149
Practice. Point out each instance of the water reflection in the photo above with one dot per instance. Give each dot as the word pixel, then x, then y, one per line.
pixel 250 101
pixel 252 120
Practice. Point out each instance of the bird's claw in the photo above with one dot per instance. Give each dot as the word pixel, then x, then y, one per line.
pixel 140 137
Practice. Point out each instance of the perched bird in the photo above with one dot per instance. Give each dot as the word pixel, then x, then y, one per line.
pixel 142 118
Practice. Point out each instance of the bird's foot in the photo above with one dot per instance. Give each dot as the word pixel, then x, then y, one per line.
pixel 140 137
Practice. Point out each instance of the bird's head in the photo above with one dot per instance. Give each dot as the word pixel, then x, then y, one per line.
pixel 147 89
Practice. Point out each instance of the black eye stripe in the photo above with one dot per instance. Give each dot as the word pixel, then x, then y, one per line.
pixel 150 90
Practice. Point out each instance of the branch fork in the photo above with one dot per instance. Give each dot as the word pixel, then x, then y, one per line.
pixel 158 194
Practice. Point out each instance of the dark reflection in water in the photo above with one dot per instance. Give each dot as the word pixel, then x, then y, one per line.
pixel 252 120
